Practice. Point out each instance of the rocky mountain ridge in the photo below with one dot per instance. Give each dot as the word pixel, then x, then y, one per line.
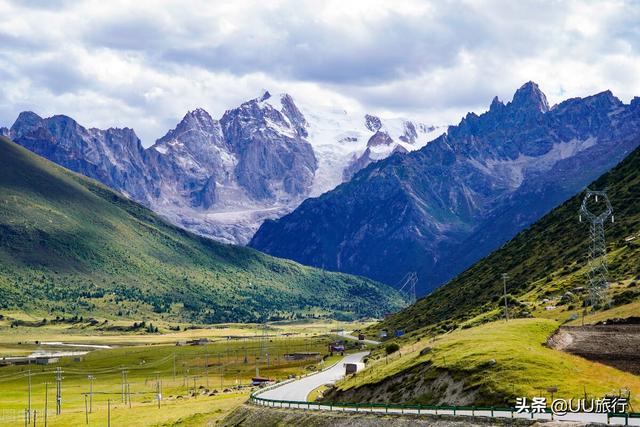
pixel 220 178
pixel 437 210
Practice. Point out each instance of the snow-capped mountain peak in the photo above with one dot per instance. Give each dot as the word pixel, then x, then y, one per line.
pixel 222 178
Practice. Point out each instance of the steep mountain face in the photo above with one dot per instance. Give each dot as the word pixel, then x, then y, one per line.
pixel 190 161
pixel 114 157
pixel 223 178
pixel 275 163
pixel 438 210
pixel 543 262
pixel 70 244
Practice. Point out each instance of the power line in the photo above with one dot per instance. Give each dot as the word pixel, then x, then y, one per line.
pixel 408 287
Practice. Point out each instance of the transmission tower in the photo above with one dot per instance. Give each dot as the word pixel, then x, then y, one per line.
pixel 408 286
pixel 598 249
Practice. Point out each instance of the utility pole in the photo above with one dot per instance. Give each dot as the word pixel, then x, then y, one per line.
pixel 91 378
pixel 108 412
pixel 174 367
pixel 158 388
pixel 185 375
pixel 29 401
pixel 123 390
pixel 505 276
pixel 257 368
pixel 598 270
pixel 58 391
pixel 195 387
pixel 221 377
pixel 46 402
pixel 206 367
pixel 86 410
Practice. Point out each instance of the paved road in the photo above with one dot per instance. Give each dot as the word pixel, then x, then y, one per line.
pixel 300 389
pixel 351 337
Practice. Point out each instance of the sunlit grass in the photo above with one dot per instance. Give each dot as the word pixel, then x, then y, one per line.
pixel 504 360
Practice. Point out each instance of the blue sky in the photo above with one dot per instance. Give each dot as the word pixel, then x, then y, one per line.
pixel 143 64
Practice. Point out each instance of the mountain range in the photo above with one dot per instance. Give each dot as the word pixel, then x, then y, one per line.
pixel 69 244
pixel 222 178
pixel 437 210
pixel 546 264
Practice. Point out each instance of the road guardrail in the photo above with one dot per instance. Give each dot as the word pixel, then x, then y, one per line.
pixel 624 419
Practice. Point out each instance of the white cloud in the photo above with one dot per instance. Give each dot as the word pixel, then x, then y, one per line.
pixel 143 64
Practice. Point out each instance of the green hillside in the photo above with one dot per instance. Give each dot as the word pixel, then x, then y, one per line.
pixel 490 364
pixel 70 245
pixel 543 263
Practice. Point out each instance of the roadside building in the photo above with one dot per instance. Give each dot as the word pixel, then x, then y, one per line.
pixel 260 381
pixel 352 368
pixel 337 347
pixel 46 360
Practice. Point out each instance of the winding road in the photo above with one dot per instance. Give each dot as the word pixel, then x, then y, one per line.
pixel 300 389
pixel 343 334
pixel 294 395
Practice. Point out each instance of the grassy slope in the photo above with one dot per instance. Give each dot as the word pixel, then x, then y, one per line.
pixel 543 262
pixel 70 244
pixel 523 365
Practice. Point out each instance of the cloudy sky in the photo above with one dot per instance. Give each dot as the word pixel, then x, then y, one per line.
pixel 143 64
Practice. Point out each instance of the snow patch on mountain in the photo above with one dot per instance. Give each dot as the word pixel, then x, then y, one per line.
pixel 340 137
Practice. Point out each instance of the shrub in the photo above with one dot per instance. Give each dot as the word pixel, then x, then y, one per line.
pixel 392 348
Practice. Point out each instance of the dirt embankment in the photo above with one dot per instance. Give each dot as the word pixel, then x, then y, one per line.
pixel 616 345
pixel 256 416
pixel 422 383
